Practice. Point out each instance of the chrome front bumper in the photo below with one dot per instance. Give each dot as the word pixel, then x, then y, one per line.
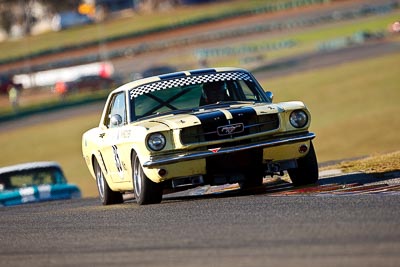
pixel 174 158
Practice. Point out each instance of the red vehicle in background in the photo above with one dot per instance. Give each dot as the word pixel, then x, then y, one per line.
pixel 84 83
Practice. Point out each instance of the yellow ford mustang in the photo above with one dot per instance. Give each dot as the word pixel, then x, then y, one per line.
pixel 184 129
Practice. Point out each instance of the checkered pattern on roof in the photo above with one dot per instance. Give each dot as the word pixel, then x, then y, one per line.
pixel 195 79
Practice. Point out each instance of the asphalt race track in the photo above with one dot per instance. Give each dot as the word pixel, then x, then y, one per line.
pixel 345 220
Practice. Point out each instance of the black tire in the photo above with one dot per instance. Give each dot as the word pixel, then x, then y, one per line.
pixel 107 196
pixel 307 169
pixel 145 190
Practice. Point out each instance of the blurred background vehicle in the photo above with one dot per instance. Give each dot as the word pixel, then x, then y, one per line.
pixel 34 182
pixel 154 71
pixel 69 19
pixel 89 82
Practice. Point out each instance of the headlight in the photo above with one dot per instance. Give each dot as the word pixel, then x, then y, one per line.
pixel 298 118
pixel 156 141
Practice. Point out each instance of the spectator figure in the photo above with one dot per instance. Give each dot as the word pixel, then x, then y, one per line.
pixel 395 28
pixel 13 96
pixel 213 92
pixel 61 90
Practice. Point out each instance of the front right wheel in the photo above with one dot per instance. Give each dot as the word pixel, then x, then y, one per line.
pixel 145 190
pixel 307 169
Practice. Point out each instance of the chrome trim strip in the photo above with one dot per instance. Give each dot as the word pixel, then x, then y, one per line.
pixel 161 160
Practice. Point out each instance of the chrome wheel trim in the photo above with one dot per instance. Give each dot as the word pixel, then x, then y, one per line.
pixel 100 181
pixel 137 177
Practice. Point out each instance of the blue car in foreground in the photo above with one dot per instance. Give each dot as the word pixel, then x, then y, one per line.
pixel 34 182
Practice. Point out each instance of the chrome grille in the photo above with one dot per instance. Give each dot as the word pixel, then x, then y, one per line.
pixel 252 125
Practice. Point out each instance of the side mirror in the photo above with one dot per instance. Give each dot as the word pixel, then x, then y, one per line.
pixel 270 95
pixel 115 120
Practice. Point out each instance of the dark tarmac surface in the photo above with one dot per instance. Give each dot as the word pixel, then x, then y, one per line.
pixel 269 226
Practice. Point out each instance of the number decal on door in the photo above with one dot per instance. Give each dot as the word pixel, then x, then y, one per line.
pixel 117 160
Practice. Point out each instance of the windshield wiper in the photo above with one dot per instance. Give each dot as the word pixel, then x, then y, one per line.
pixel 225 104
pixel 180 111
pixel 175 111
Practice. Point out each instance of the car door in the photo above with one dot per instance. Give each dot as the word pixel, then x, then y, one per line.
pixel 114 121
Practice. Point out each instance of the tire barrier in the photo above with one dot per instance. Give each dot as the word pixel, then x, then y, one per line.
pixel 245 49
pixel 357 38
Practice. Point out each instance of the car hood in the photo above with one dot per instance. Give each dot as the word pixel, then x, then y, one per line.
pixel 219 114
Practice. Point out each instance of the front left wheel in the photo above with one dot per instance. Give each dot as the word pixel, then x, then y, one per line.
pixel 145 190
pixel 107 196
pixel 307 170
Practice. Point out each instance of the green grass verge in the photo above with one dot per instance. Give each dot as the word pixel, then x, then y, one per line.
pixel 51 103
pixel 354 113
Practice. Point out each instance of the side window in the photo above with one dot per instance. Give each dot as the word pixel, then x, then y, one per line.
pixel 117 107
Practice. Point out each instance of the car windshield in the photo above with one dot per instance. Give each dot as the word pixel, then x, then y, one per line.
pixel 17 179
pixel 194 97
